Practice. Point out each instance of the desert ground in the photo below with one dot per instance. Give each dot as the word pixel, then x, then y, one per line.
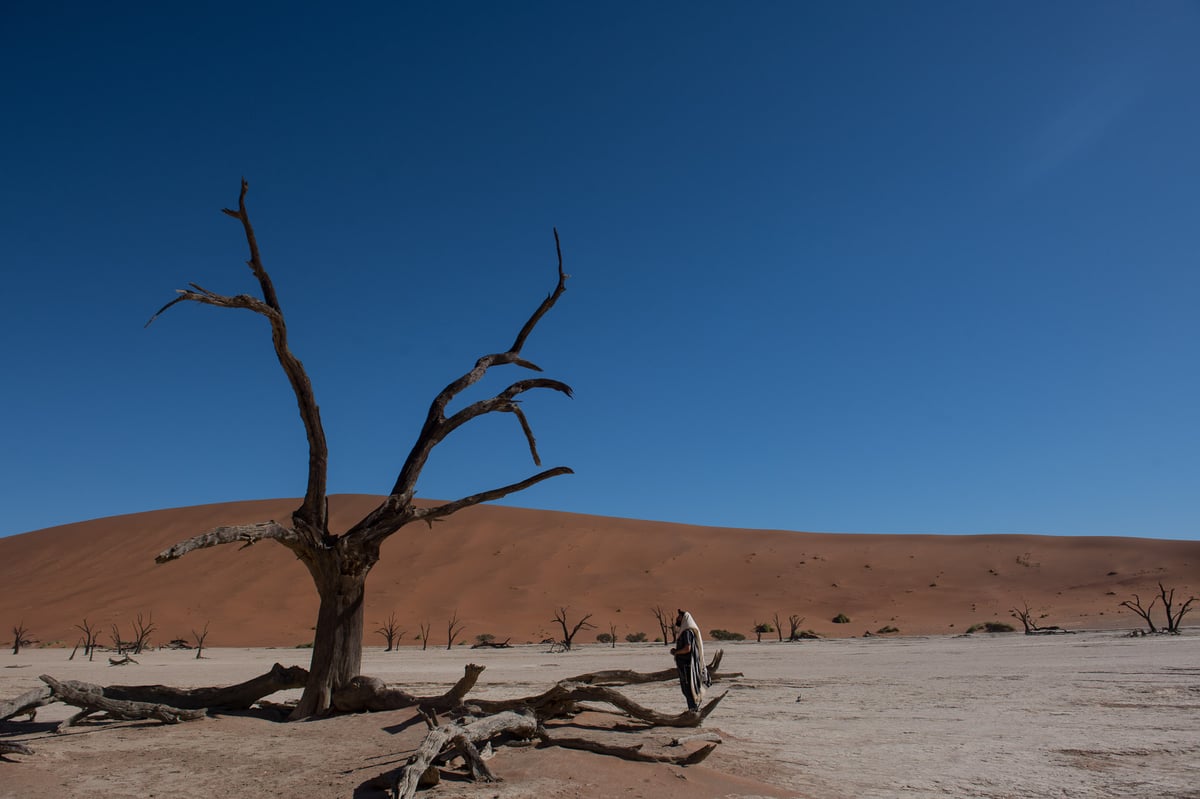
pixel 1092 714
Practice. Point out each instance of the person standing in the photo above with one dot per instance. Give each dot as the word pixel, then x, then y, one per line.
pixel 689 660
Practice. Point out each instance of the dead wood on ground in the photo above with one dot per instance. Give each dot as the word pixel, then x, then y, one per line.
pixel 232 697
pixel 26 703
pixel 90 699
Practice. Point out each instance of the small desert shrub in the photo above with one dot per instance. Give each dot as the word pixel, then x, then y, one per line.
pixel 635 638
pixel 805 635
pixel 991 627
pixel 841 618
pixel 887 629
pixel 604 638
pixel 725 635
pixel 307 645
pixel 484 638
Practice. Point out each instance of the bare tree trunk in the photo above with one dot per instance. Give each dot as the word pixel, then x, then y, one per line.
pixel 337 646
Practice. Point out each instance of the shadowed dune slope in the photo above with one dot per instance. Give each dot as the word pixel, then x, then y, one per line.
pixel 506 570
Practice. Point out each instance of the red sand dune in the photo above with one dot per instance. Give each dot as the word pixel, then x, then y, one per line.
pixel 506 570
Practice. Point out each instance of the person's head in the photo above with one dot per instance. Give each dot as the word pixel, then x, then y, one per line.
pixel 679 617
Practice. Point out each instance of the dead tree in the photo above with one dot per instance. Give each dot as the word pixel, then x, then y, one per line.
pixel 1144 612
pixel 424 628
pixel 391 632
pixel 794 622
pixel 199 638
pixel 454 628
pixel 20 637
pixel 612 635
pixel 142 630
pixel 666 623
pixel 91 637
pixel 339 563
pixel 1025 615
pixel 1173 618
pixel 568 631
pixel 778 628
pixel 119 643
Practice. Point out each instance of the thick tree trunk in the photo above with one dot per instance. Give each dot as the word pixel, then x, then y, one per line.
pixel 337 646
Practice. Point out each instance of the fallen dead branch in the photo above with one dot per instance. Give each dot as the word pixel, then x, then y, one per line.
pixel 633 752
pixel 26 703
pixel 562 700
pixel 232 697
pixel 518 725
pixel 90 699
pixel 627 677
pixel 373 694
pixel 14 748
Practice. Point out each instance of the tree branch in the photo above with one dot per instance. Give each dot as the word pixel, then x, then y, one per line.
pixel 432 514
pixel 434 429
pixel 246 533
pixel 311 517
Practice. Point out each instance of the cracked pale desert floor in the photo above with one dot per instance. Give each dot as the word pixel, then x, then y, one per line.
pixel 1084 715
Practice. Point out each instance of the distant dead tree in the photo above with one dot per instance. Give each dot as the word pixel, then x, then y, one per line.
pixel 91 636
pixel 666 623
pixel 1144 612
pixel 424 633
pixel 199 639
pixel 21 637
pixel 778 627
pixel 119 643
pixel 143 628
pixel 568 632
pixel 1025 615
pixel 339 563
pixel 794 622
pixel 454 628
pixel 1174 617
pixel 391 632
pixel 612 634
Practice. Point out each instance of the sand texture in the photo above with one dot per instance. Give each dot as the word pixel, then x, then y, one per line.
pixel 505 571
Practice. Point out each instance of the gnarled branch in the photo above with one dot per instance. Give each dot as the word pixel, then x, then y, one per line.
pixel 247 534
pixel 313 512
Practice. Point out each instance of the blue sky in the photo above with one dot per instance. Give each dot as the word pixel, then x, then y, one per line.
pixel 868 267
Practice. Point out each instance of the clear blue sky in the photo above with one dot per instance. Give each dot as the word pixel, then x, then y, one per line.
pixel 870 267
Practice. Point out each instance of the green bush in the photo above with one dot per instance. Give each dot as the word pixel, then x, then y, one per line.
pixel 484 638
pixel 635 638
pixel 725 635
pixel 604 638
pixel 841 618
pixel 887 629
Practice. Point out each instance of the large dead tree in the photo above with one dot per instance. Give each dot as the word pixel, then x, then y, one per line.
pixel 339 563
